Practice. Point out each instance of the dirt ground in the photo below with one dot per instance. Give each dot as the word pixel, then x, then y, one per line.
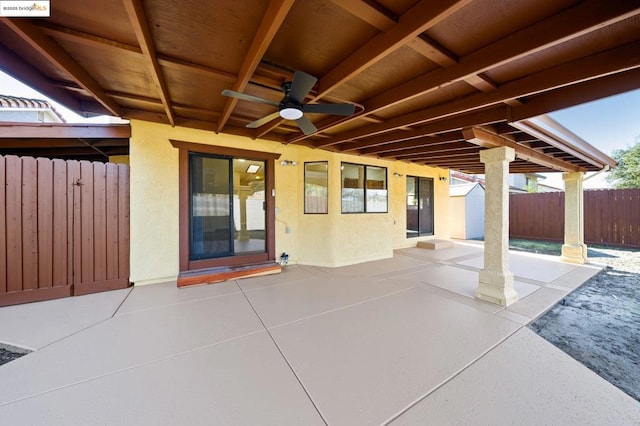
pixel 599 324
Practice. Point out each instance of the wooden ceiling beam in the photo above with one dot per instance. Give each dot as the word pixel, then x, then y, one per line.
pixel 412 23
pixel 438 126
pixel 141 29
pixel 458 149
pixel 486 139
pixel 383 20
pixel 448 137
pixel 56 55
pixel 566 25
pixel 569 24
pixel 409 26
pixel 577 94
pixel 272 19
pixel 25 72
pixel 94 41
pixel 595 66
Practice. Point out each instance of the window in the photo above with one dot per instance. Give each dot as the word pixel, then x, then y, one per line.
pixel 316 187
pixel 364 189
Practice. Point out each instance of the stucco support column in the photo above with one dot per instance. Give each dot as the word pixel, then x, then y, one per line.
pixel 496 281
pixel 574 250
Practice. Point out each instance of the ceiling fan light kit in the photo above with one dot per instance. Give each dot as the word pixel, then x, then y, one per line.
pixel 291 107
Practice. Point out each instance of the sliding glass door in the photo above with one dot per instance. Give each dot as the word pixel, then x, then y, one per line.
pixel 227 206
pixel 419 206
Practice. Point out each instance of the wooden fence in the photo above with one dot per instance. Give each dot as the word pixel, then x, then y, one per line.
pixel 64 228
pixel 611 217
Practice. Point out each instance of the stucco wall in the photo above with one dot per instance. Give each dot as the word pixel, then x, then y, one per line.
pixel 332 239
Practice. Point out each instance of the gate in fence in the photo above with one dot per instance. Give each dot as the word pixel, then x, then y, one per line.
pixel 64 228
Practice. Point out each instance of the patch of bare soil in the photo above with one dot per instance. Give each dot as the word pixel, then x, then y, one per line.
pixel 9 353
pixel 599 324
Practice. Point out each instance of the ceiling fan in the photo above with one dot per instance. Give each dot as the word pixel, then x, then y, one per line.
pixel 291 107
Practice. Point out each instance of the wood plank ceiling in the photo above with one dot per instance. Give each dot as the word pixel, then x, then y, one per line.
pixel 434 82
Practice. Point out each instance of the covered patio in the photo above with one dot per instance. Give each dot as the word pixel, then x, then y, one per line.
pixel 397 341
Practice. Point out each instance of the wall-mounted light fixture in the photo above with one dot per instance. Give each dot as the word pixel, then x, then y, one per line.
pixel 284 163
pixel 442 178
pixel 396 174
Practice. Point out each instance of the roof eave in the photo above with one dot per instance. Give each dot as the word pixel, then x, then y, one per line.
pixel 550 131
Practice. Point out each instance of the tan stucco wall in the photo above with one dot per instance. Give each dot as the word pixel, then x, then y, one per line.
pixel 331 239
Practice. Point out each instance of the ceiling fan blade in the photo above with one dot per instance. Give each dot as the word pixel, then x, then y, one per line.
pixel 246 97
pixel 306 125
pixel 264 120
pixel 301 86
pixel 336 109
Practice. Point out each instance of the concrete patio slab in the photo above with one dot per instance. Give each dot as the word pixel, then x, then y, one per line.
pixel 36 325
pixel 311 345
pixel 156 295
pixel 289 274
pixel 461 281
pixel 460 250
pixel 128 341
pixel 525 381
pixel 240 382
pixel 365 363
pixel 281 304
pixel 542 268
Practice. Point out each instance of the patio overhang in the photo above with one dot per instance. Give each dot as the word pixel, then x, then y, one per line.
pixel 512 62
pixel 93 142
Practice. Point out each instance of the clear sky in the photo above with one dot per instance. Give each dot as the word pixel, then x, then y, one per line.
pixel 608 124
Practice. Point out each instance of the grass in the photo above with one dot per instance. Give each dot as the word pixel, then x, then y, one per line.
pixel 535 246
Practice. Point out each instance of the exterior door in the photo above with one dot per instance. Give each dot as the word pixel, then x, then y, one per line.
pixel 419 206
pixel 227 207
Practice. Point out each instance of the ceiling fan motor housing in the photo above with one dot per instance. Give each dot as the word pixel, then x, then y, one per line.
pixel 289 108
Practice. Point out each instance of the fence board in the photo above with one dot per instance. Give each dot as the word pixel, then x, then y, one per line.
pixel 60 268
pixel 3 228
pixel 86 225
pixel 611 217
pixel 123 223
pixel 111 192
pixel 44 211
pixel 29 223
pixel 99 223
pixel 13 207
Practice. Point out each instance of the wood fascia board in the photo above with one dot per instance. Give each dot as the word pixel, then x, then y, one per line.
pixel 487 139
pixel 64 130
pixel 272 20
pixel 25 72
pixel 56 55
pixel 412 23
pixel 558 136
pixel 569 24
pixel 141 29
